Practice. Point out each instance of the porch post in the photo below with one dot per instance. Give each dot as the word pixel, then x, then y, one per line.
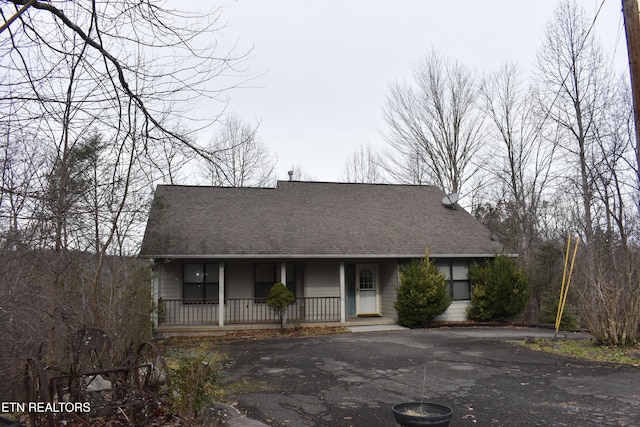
pixel 343 301
pixel 155 290
pixel 283 272
pixel 221 294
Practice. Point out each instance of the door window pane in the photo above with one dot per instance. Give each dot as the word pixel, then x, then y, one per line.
pixel 366 279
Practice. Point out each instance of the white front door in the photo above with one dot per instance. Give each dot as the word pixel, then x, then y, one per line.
pixel 367 289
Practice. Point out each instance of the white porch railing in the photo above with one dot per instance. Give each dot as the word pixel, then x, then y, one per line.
pixel 245 311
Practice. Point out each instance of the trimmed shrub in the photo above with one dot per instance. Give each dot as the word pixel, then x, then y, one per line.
pixel 422 294
pixel 279 299
pixel 500 289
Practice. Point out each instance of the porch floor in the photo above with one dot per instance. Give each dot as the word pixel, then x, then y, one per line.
pixel 166 331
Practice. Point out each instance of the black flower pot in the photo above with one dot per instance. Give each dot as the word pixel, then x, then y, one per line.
pixel 417 414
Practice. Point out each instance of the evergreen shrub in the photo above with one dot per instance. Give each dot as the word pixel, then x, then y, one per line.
pixel 422 294
pixel 500 289
pixel 279 298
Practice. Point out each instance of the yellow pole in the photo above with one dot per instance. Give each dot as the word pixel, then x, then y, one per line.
pixel 566 291
pixel 564 275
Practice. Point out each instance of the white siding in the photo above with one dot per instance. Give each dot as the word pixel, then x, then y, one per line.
pixel 457 312
pixel 169 280
pixel 388 286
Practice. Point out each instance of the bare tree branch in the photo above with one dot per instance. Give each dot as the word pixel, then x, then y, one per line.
pixel 436 124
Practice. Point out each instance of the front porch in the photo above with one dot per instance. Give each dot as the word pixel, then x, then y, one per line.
pixel 232 294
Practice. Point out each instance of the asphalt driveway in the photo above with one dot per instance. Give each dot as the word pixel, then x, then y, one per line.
pixel 354 379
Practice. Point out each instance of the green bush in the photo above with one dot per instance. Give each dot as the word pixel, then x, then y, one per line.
pixel 500 289
pixel 279 299
pixel 422 294
pixel 549 312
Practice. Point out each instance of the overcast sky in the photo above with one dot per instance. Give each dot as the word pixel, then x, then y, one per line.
pixel 325 66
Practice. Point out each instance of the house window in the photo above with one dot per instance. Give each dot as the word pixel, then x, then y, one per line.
pixel 268 274
pixel 460 286
pixel 200 283
pixel 457 275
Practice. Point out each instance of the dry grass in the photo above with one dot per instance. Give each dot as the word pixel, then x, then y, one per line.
pixel 584 349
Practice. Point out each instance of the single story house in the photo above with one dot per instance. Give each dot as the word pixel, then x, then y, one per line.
pixel 216 251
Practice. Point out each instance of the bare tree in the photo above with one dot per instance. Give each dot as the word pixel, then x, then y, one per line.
pixel 239 158
pixel 363 166
pixel 435 128
pixel 112 43
pixel 137 72
pixel 574 75
pixel 21 164
pixel 615 173
pixel 168 162
pixel 578 93
pixel 523 177
pixel 523 155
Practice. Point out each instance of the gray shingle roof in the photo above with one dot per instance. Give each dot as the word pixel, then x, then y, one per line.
pixel 310 219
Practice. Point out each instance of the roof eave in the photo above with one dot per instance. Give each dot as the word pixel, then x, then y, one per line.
pixel 323 256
